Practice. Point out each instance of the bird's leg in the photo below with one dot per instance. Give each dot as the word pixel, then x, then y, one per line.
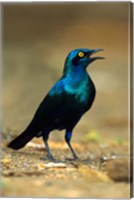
pixel 47 148
pixel 67 139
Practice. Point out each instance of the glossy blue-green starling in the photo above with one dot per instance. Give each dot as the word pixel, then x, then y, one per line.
pixel 64 105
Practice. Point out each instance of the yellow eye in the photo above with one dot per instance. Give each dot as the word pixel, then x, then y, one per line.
pixel 81 54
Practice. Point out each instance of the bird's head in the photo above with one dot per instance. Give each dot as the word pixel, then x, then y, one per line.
pixel 81 58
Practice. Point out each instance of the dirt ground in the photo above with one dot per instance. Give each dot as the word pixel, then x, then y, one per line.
pixel 35 44
pixel 100 172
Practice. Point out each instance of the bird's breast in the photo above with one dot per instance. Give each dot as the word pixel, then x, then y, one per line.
pixel 82 91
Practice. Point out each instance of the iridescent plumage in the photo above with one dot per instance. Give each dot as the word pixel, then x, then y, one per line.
pixel 65 103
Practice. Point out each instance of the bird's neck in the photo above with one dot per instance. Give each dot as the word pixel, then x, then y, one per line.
pixel 74 70
pixel 76 77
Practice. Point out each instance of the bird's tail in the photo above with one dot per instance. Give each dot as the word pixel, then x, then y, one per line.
pixel 21 140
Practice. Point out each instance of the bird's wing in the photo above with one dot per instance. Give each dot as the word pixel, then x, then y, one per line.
pixel 53 101
pixel 50 106
pixel 55 104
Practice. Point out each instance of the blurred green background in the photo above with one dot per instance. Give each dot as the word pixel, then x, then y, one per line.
pixel 36 41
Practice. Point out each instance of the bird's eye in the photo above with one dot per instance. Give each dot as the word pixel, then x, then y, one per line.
pixel 81 54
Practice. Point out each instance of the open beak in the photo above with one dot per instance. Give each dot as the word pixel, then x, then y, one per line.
pixel 97 57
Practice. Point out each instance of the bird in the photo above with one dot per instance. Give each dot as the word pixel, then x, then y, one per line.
pixel 66 102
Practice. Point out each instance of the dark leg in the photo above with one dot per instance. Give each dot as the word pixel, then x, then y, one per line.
pixel 47 147
pixel 67 139
pixel 48 150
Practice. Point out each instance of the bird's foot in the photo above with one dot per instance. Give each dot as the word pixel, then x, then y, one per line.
pixel 75 158
pixel 49 157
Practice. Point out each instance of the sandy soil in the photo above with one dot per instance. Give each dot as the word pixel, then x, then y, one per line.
pixel 99 172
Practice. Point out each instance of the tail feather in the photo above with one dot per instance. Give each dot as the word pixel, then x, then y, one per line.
pixel 21 140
